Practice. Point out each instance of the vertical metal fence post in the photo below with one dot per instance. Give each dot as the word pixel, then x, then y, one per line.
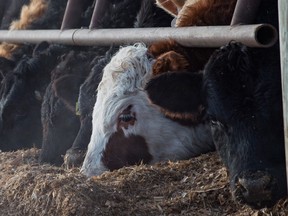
pixel 72 16
pixel 99 11
pixel 283 39
pixel 245 11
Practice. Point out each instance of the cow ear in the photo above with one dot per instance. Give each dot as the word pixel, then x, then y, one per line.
pixel 67 89
pixel 178 94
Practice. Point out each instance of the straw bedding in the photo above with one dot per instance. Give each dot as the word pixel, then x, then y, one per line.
pixel 193 187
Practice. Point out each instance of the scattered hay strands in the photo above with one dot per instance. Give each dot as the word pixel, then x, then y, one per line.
pixel 194 187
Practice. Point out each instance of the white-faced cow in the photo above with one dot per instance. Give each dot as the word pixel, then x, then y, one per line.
pixel 124 15
pixel 59 119
pixel 127 129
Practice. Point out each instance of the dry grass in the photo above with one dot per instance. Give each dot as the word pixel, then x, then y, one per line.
pixel 194 187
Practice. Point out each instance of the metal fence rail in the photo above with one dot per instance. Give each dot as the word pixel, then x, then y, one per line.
pixel 260 35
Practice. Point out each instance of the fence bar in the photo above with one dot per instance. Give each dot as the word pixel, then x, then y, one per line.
pixel 283 37
pixel 245 11
pixel 98 13
pixel 72 16
pixel 260 35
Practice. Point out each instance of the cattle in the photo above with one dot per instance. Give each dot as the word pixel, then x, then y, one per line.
pixel 199 13
pixel 127 129
pixel 38 14
pixel 241 95
pixel 60 117
pixel 26 76
pixel 59 122
pixel 243 92
pixel 20 102
pixel 148 16
pixel 58 112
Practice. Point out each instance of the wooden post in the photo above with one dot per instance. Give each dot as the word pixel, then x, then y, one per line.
pixel 283 37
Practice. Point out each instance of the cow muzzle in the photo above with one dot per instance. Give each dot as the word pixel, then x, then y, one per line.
pixel 254 188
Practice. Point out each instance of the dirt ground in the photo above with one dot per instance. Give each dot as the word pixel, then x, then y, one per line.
pixel 193 187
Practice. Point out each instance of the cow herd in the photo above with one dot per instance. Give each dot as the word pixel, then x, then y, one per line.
pixel 101 108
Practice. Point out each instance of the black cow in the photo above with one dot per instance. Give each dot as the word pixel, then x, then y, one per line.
pixel 20 99
pixel 26 76
pixel 242 98
pixel 148 16
pixel 243 93
pixel 59 120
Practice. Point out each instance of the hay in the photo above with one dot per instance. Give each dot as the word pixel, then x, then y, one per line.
pixel 194 187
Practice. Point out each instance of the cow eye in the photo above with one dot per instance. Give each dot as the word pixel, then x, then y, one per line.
pixel 126 117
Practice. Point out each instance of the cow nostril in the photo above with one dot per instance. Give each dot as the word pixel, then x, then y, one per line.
pixel 254 187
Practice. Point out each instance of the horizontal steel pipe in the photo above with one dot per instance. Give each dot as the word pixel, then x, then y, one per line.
pixel 261 35
pixel 245 12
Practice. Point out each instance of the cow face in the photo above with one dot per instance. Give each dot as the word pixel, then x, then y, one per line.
pixel 126 128
pixel 243 92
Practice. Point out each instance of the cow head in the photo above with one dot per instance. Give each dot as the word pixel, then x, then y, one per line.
pixel 21 97
pixel 126 128
pixel 243 93
pixel 59 119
